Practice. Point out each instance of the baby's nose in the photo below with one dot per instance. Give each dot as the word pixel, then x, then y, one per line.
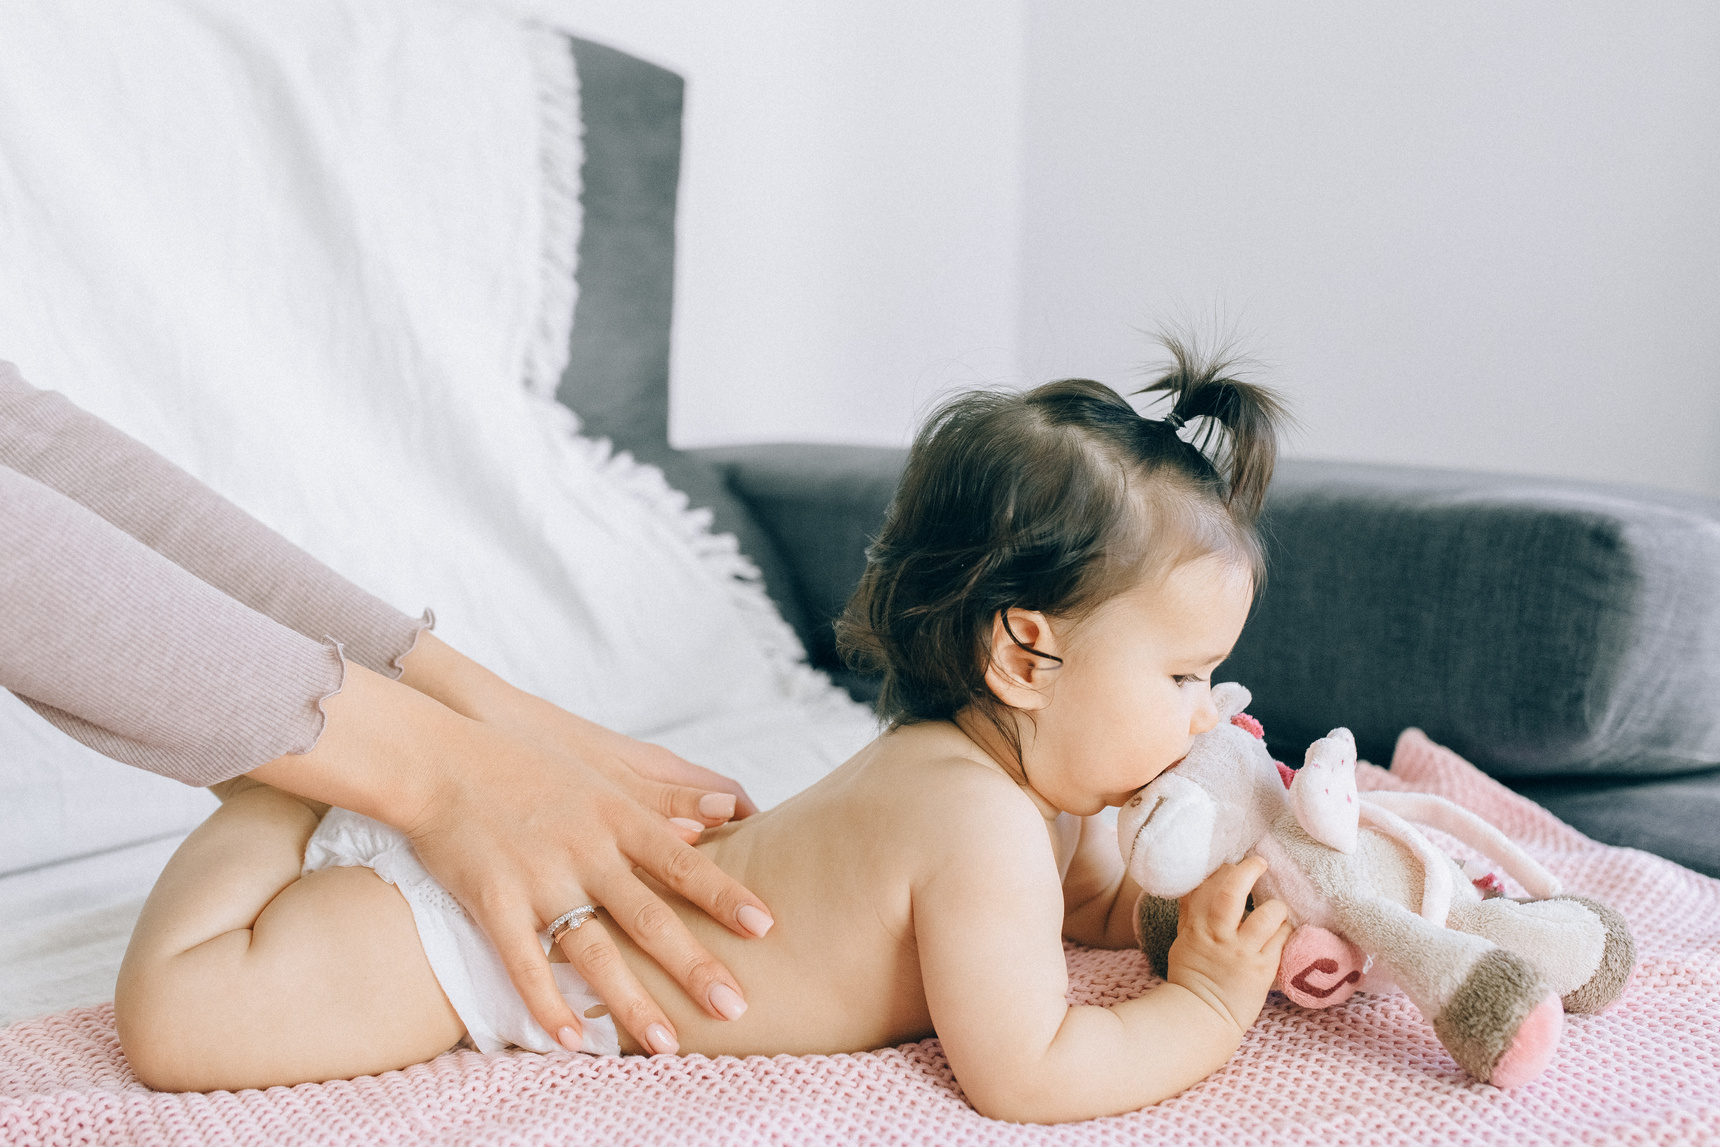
pixel 1205 717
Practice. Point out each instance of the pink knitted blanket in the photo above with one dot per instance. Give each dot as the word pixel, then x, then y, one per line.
pixel 1369 1071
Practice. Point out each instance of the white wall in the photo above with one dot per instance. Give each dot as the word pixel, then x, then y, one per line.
pixel 1468 234
pixel 849 216
pixel 1471 234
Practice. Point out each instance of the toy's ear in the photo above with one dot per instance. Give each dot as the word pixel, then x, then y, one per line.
pixel 1165 833
pixel 1323 795
pixel 1230 699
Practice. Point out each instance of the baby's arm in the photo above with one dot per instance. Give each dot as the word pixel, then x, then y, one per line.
pixel 1098 895
pixel 987 919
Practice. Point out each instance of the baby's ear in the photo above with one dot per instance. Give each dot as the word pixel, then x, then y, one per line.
pixel 1025 653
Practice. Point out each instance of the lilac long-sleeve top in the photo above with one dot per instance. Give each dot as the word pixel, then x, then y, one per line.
pixel 152 619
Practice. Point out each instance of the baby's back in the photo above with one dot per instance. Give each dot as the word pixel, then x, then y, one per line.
pixel 839 971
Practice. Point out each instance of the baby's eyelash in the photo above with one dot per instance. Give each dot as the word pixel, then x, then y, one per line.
pixel 1185 678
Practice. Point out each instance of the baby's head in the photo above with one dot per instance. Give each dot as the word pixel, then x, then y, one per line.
pixel 1059 575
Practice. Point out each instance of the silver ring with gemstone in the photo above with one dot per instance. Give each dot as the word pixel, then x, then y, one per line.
pixel 569 921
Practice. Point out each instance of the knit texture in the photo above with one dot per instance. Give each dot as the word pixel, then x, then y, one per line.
pixel 1369 1071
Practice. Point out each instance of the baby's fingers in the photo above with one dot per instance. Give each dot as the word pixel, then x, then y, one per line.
pixel 1223 898
pixel 1262 924
pixel 1275 946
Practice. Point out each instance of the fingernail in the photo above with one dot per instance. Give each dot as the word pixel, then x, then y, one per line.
pixel 717 805
pixel 753 920
pixel 728 1002
pixel 568 1038
pixel 658 1039
pixel 691 826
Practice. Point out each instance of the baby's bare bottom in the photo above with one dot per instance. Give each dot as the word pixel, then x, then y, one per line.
pixel 242 974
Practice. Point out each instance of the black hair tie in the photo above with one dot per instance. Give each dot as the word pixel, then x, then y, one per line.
pixel 1175 421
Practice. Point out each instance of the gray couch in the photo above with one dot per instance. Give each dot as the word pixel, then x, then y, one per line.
pixel 1564 637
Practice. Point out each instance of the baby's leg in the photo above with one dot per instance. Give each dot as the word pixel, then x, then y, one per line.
pixel 240 974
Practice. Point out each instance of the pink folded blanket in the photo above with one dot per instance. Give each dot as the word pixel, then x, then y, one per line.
pixel 1369 1071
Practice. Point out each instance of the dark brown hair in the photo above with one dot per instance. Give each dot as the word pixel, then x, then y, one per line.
pixel 1051 500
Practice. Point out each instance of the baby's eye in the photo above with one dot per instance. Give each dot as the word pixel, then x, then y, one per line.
pixel 1184 678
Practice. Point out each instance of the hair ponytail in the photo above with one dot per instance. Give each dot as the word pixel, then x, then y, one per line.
pixel 1206 386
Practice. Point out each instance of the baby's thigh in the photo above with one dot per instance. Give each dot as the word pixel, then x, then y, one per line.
pixel 329 983
pixel 343 943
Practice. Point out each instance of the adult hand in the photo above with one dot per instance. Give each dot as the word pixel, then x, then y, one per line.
pixel 657 778
pixel 520 832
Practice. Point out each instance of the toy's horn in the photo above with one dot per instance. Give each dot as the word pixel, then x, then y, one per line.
pixel 1230 699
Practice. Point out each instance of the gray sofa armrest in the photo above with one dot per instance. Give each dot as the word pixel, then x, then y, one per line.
pixel 822 506
pixel 1540 628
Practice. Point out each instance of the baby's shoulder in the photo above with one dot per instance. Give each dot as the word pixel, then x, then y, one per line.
pixel 941 793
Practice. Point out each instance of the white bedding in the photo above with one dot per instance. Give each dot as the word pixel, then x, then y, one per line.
pixel 67 925
pixel 318 254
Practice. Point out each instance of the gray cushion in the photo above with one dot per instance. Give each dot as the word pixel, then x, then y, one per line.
pixel 617 376
pixel 1674 817
pixel 822 506
pixel 1539 628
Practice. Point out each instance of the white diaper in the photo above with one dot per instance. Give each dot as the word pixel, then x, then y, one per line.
pixel 465 962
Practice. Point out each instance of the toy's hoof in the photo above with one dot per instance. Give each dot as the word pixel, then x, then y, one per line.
pixel 1502 1024
pixel 1618 962
pixel 1532 1049
pixel 1318 968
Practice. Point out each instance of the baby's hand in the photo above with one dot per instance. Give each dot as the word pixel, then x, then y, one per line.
pixel 1224 956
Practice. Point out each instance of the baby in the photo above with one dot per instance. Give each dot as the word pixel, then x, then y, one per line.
pixel 1054 585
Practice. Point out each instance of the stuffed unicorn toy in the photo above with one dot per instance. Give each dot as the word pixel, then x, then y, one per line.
pixel 1373 903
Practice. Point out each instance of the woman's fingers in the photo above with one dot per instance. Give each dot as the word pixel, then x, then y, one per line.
pixel 692 874
pixel 656 929
pixel 679 802
pixel 654 762
pixel 593 954
pixel 517 943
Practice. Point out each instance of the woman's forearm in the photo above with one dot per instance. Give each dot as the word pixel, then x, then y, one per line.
pixel 437 670
pixel 119 479
pixel 137 658
pixel 384 751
